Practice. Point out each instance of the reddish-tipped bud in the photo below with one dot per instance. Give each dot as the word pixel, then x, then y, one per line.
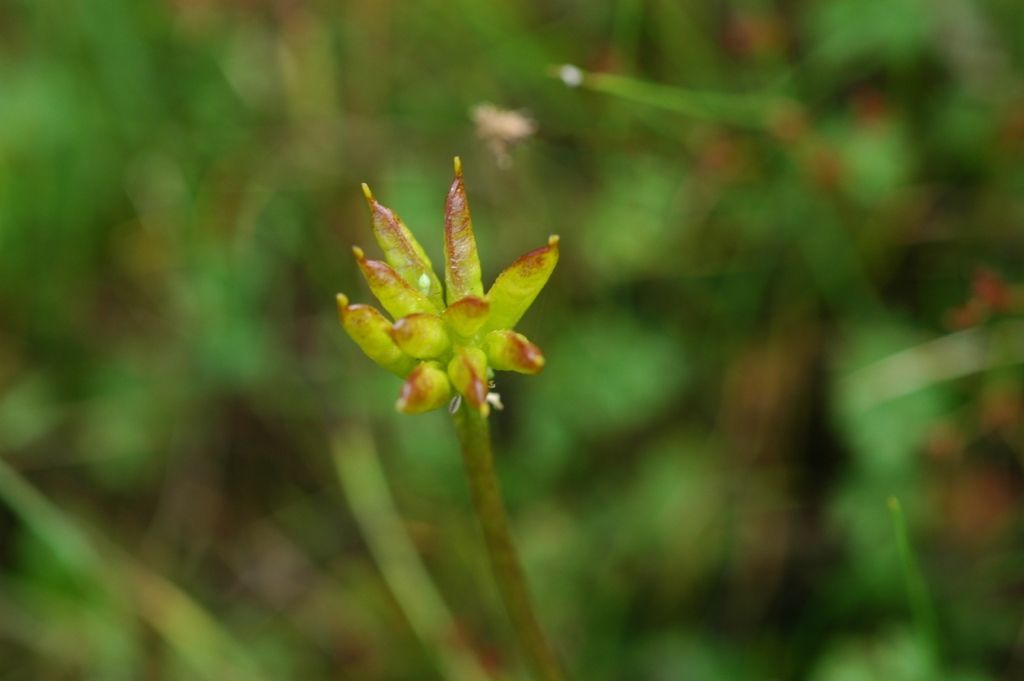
pixel 510 351
pixel 397 296
pixel 402 251
pixel 467 316
pixel 462 263
pixel 421 335
pixel 468 373
pixel 471 336
pixel 427 388
pixel 371 332
pixel 517 287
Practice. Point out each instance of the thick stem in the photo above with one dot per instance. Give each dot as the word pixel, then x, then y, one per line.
pixel 475 438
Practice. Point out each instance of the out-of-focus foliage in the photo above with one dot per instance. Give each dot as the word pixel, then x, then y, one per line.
pixel 790 287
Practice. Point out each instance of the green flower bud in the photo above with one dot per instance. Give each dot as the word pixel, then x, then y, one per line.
pixel 371 332
pixel 510 351
pixel 466 339
pixel 397 295
pixel 517 287
pixel 402 251
pixel 466 316
pixel 462 263
pixel 421 335
pixel 426 388
pixel 468 372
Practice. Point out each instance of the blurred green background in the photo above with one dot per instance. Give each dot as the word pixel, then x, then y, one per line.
pixel 790 288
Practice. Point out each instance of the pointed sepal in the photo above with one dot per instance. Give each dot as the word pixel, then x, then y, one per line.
pixel 371 332
pixel 510 351
pixel 462 263
pixel 402 251
pixel 468 373
pixel 421 335
pixel 426 388
pixel 395 294
pixel 467 316
pixel 517 286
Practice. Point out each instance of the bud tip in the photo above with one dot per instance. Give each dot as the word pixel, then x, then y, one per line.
pixel 342 306
pixel 366 192
pixel 553 240
pixel 358 253
pixel 458 166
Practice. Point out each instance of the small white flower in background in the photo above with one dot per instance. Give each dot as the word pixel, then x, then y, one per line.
pixel 571 75
pixel 502 129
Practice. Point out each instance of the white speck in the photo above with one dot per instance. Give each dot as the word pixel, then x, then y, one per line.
pixel 453 406
pixel 424 283
pixel 494 399
pixel 571 75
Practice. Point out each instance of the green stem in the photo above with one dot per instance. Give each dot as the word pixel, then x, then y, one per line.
pixel 475 437
pixel 366 489
pixel 917 590
pixel 753 111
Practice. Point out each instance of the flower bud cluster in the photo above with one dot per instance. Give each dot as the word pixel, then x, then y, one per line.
pixel 444 341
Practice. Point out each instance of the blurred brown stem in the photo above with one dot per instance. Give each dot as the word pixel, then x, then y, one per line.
pixel 475 438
